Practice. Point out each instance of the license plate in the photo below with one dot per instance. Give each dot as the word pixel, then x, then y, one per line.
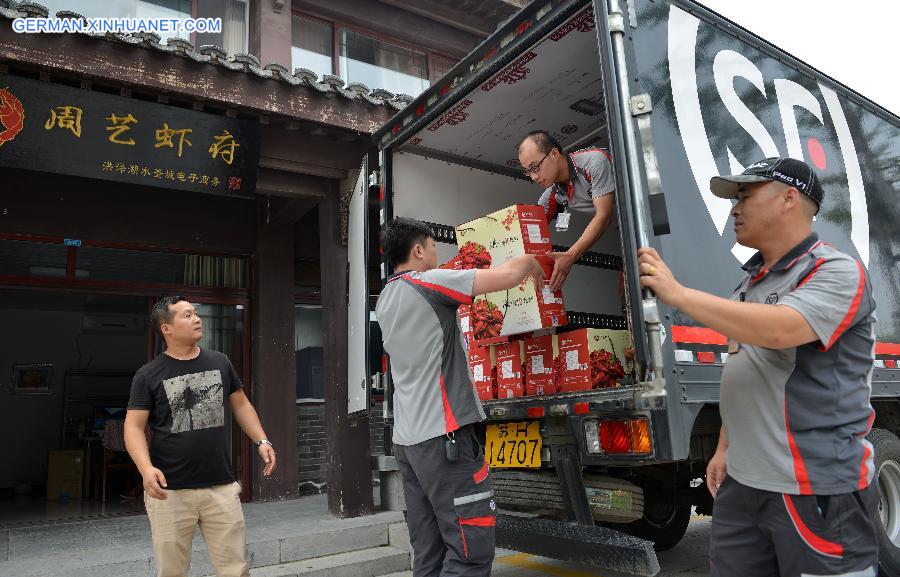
pixel 514 445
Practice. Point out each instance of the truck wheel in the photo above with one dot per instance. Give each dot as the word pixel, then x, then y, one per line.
pixel 665 520
pixel 887 463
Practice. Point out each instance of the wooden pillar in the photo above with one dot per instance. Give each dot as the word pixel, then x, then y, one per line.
pixel 274 383
pixel 347 440
pixel 270 32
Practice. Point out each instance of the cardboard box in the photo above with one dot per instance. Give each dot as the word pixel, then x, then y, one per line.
pixel 508 362
pixel 492 240
pixel 510 232
pixel 540 353
pixel 520 309
pixel 480 365
pixel 471 255
pixel 464 316
pixel 65 471
pixel 592 358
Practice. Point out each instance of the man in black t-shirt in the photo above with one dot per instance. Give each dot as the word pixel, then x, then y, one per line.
pixel 188 482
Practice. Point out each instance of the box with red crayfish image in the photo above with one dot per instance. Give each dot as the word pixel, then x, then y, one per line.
pixel 521 309
pixel 507 233
pixel 592 359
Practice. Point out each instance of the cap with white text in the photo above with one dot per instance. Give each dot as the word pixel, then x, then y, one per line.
pixel 790 171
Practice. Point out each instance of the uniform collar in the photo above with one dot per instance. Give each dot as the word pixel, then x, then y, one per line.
pixel 397 275
pixel 573 174
pixel 787 261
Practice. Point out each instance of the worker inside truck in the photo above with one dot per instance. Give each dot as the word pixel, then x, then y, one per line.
pixel 582 181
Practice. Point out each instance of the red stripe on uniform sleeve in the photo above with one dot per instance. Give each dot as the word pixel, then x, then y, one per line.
pixel 815 269
pixel 459 297
pixel 854 307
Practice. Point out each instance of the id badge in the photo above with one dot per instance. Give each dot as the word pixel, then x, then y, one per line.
pixel 562 221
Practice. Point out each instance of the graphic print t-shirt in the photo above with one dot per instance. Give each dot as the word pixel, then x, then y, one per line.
pixel 186 400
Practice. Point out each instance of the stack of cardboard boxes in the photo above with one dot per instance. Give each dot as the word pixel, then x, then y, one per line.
pixel 508 334
pixel 506 234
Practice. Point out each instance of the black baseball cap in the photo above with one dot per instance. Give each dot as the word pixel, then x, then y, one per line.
pixel 790 171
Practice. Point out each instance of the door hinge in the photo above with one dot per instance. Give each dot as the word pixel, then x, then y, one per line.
pixel 616 22
pixel 640 104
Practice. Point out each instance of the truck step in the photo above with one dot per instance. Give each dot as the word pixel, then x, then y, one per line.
pixel 599 547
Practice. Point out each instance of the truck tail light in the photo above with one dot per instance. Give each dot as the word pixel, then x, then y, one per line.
pixel 621 437
pixel 614 438
pixel 582 408
pixel 640 435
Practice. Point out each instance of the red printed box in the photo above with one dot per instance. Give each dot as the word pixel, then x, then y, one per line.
pixel 540 354
pixel 510 232
pixel 480 365
pixel 492 240
pixel 592 359
pixel 508 362
pixel 520 309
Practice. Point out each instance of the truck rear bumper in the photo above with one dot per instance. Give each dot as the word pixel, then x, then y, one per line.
pixel 594 546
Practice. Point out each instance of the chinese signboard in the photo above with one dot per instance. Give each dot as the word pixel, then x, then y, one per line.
pixel 54 128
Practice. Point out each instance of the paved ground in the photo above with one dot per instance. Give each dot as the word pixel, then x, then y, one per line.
pixel 123 539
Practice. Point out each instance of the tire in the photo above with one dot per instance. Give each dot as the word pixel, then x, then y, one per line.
pixel 887 465
pixel 665 520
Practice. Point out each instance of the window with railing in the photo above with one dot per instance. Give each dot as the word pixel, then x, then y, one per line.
pixel 234 14
pixel 354 55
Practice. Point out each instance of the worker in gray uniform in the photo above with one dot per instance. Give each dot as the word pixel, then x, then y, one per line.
pixel 792 475
pixel 582 181
pixel 446 481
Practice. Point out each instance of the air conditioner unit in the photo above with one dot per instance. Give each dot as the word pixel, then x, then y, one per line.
pixel 119 324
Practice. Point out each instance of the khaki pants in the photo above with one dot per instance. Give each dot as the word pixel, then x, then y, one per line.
pixel 218 512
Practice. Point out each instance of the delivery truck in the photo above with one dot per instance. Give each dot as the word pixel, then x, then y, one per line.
pixel 674 94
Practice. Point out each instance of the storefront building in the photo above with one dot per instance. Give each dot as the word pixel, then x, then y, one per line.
pixel 133 167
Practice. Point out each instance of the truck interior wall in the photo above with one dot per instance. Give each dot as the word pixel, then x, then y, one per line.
pixel 450 194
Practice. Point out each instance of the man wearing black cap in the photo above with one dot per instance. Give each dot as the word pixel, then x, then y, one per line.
pixel 798 497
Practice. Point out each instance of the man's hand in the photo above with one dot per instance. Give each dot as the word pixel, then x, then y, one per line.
pixel 155 483
pixel 715 472
pixel 537 275
pixel 656 276
pixel 268 456
pixel 562 264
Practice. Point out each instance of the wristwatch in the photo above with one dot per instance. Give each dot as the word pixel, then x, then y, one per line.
pixel 265 442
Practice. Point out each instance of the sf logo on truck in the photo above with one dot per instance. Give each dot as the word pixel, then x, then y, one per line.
pixel 727 67
pixel 12 116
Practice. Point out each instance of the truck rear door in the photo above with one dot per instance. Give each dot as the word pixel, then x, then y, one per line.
pixel 358 390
